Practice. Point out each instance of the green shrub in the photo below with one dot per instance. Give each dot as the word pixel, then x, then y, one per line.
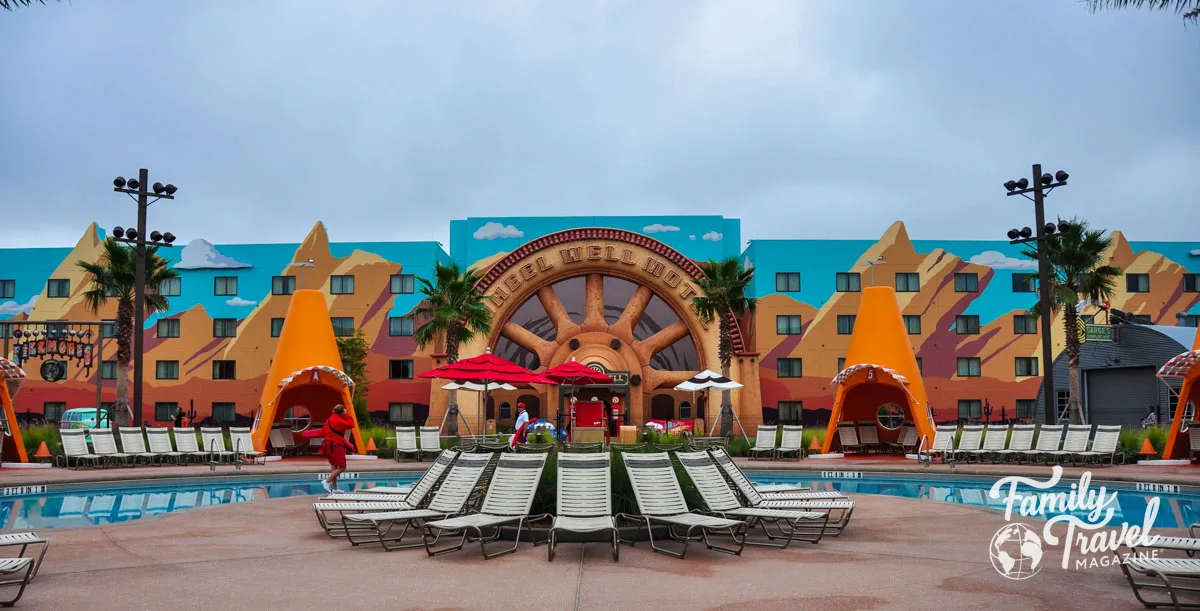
pixel 811 433
pixel 1130 443
pixel 380 434
pixel 33 436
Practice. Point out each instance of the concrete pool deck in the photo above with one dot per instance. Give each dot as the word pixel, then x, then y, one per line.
pixel 897 554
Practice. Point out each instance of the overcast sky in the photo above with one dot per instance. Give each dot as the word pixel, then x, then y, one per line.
pixel 386 119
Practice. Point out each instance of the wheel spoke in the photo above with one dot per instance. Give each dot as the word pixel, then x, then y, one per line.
pixel 527 340
pixel 556 311
pixel 594 303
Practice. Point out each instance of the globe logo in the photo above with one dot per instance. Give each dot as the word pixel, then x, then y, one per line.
pixel 1016 551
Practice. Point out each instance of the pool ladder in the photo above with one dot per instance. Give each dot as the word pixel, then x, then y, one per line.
pixel 215 460
pixel 924 457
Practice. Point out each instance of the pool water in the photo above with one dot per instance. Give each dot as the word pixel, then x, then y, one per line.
pixel 1177 509
pixel 110 503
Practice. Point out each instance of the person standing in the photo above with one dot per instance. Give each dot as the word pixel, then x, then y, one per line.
pixel 1151 418
pixel 179 417
pixel 334 444
pixel 522 416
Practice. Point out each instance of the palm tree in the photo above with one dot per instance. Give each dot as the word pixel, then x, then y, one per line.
pixel 1078 271
pixel 724 298
pixel 455 309
pixel 1189 9
pixel 9 4
pixel 113 277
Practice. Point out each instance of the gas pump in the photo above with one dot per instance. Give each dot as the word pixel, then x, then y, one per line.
pixel 571 420
pixel 615 428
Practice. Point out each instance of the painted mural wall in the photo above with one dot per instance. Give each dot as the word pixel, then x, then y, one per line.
pixel 481 241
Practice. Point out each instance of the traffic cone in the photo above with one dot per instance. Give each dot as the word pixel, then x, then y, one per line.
pixel 42 451
pixel 815 446
pixel 1147 448
pixel 371 444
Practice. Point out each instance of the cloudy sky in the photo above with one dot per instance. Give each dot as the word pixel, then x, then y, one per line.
pixel 387 118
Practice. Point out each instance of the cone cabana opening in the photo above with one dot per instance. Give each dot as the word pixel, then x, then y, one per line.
pixel 1185 366
pixel 881 376
pixel 306 372
pixel 13 377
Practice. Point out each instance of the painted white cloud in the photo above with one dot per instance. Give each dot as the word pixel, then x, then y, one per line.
pixel 712 236
pixel 998 260
pixel 692 237
pixel 12 308
pixel 658 228
pixel 748 264
pixel 493 230
pixel 238 302
pixel 1195 253
pixel 201 254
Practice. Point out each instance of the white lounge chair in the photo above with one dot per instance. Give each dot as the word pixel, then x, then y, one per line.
pixel 660 500
pixel 243 444
pixel 406 442
pixel 970 440
pixel 791 442
pixel 762 488
pixel 1168 572
pixel 942 443
pixel 431 441
pixel 1049 438
pixel 804 501
pixel 75 447
pixel 1104 443
pixel 1019 443
pixel 906 441
pixel 508 500
pixel 105 446
pixel 213 440
pixel 848 436
pixel 24 540
pixel 721 501
pixel 159 439
pixel 134 444
pixel 412 495
pixel 868 435
pixel 15 572
pixel 764 442
pixel 1075 443
pixel 185 443
pixel 584 499
pixel 995 437
pixel 450 500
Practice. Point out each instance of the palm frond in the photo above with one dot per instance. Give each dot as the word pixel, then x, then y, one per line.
pixel 1178 6
pixel 9 5
pixel 453 307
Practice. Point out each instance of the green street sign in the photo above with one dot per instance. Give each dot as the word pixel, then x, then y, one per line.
pixel 1099 333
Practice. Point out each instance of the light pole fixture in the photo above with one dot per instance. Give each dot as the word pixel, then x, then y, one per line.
pixel 873 262
pixel 303 265
pixel 140 190
pixel 1042 185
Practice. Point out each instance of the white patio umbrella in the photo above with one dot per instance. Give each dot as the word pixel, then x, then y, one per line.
pixel 707 380
pixel 477 387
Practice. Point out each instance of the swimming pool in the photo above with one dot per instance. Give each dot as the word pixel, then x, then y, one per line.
pixel 109 503
pixel 1179 506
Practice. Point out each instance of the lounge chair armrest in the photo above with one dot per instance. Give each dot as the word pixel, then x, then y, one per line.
pixel 1192 529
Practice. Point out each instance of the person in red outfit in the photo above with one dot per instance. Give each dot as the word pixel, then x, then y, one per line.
pixel 335 445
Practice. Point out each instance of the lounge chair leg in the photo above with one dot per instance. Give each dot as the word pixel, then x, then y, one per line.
pixel 21 590
pixel 616 545
pixel 550 551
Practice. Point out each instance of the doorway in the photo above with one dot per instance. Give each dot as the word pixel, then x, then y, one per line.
pixel 662 407
pixel 533 405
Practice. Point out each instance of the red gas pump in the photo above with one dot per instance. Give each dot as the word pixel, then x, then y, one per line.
pixel 615 428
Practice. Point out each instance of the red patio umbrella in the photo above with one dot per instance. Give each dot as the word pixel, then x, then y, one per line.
pixel 574 373
pixel 487 369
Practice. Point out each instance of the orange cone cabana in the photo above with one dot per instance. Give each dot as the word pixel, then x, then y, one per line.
pixel 1187 367
pixel 12 376
pixel 880 369
pixel 307 370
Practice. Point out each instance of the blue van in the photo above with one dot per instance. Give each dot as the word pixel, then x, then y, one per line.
pixel 84 418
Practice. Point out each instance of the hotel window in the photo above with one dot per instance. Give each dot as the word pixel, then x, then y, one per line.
pixel 343 326
pixel 787 282
pixel 920 366
pixel 1025 408
pixel 970 409
pixel 283 285
pixel 1142 319
pixel 164 411
pixel 341 285
pixel 224 327
pixel 1027 366
pixel 685 410
pixel 225 286
pixel 1190 284
pixel 167 327
pixel 53 410
pixel 401 413
pixel 402 284
pixel 400 369
pixel 968 367
pixel 1024 324
pixel 908 282
pixel 276 327
pixel 8 289
pixel 967 324
pixel 224 412
pixel 849 282
pixel 841 364
pixel 1062 399
pixel 224 370
pixel 58 289
pixel 966 283
pixel 791 412
pixel 1137 283
pixel 1088 319
pixel 505 411
pixel 400 326
pixel 912 322
pixel 1190 320
pixel 108 330
pixel 166 370
pixel 1024 283
pixel 108 370
pixel 788 324
pixel 789 367
pixel 845 324
pixel 170 287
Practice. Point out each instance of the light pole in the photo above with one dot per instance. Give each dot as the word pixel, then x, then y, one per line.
pixel 303 265
pixel 873 262
pixel 139 190
pixel 1042 185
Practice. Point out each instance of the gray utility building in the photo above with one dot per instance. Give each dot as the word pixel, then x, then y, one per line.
pixel 1118 377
